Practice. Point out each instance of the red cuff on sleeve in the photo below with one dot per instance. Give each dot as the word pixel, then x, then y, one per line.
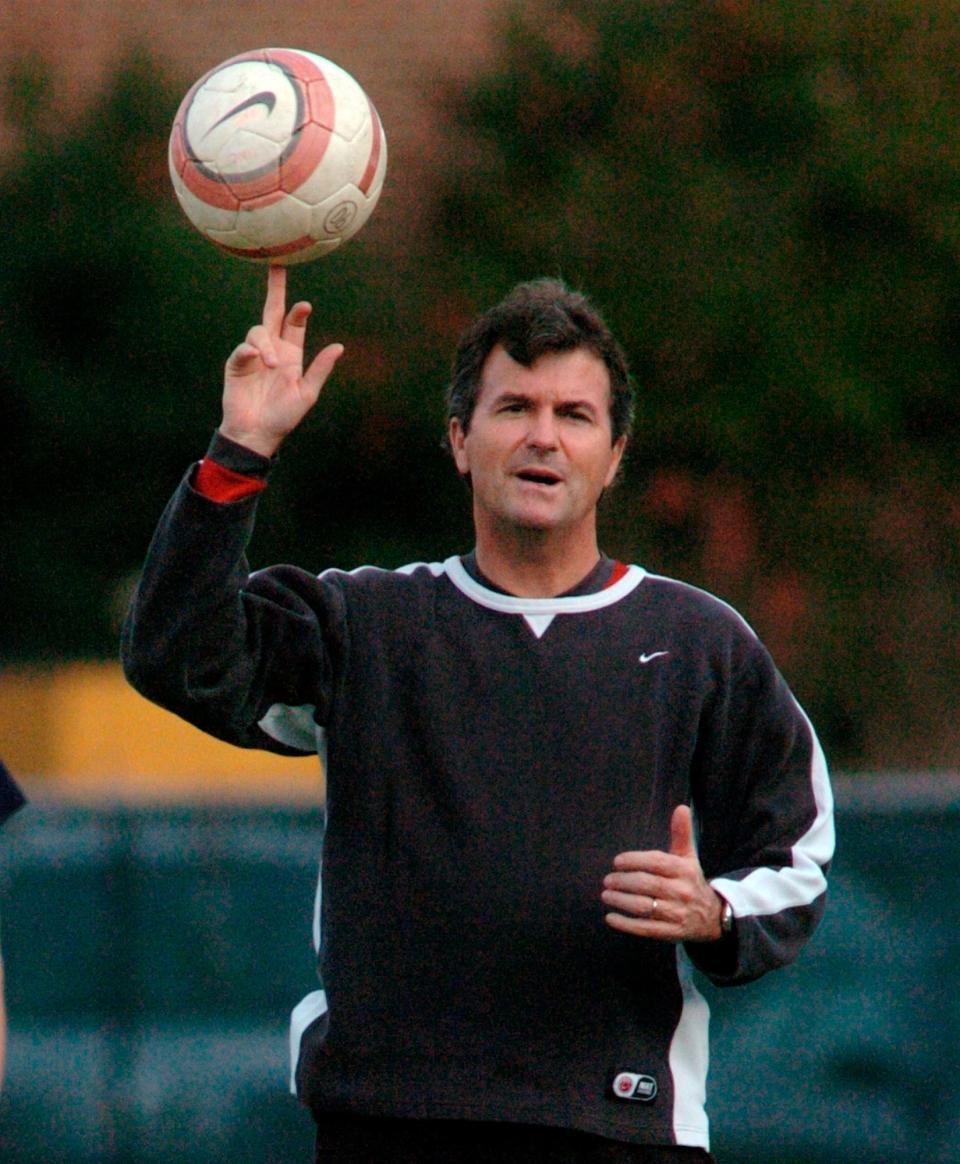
pixel 221 484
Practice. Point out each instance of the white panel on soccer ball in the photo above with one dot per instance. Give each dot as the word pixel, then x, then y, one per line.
pixel 274 225
pixel 342 163
pixel 244 152
pixel 243 80
pixel 229 79
pixel 275 129
pixel 204 216
pixel 341 214
pixel 229 238
pixel 350 102
pixel 203 152
pixel 251 94
pixel 208 124
pixel 337 169
pixel 343 167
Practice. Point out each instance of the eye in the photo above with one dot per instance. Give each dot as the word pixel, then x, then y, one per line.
pixel 578 414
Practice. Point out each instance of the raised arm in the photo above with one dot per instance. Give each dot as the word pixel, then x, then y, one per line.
pixel 202 637
pixel 266 392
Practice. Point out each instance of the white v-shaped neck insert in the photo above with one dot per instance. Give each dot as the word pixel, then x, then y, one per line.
pixel 539 613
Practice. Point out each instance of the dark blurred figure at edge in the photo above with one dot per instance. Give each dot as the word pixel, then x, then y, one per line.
pixel 11 799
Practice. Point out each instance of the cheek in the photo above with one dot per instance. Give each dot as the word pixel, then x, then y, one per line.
pixel 484 452
pixel 596 462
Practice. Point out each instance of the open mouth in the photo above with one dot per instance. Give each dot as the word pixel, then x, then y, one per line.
pixel 539 476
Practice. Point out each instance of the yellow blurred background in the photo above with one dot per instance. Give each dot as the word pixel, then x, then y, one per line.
pixel 80 732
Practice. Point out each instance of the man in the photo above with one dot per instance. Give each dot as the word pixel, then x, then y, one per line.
pixel 554 782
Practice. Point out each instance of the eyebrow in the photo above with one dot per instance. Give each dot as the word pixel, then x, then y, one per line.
pixel 526 397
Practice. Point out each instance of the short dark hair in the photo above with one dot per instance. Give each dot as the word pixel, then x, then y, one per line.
pixel 538 317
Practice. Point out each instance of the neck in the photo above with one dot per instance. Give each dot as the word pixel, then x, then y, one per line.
pixel 536 563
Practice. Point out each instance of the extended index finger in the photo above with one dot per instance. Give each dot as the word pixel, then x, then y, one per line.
pixel 275 305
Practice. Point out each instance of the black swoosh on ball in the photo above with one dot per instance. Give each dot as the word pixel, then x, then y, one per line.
pixel 265 98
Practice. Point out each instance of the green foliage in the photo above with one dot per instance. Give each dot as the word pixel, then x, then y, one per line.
pixel 763 199
pixel 115 321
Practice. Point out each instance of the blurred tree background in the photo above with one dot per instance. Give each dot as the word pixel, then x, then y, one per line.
pixel 764 199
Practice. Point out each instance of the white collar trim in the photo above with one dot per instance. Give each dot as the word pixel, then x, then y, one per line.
pixel 540 612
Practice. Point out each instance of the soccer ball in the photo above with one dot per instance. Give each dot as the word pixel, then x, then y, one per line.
pixel 277 156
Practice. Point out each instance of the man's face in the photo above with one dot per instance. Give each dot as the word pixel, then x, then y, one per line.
pixel 538 449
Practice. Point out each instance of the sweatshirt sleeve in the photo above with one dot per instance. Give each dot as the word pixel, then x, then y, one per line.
pixel 219 646
pixel 765 816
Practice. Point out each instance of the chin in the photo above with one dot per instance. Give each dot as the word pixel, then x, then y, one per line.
pixel 536 523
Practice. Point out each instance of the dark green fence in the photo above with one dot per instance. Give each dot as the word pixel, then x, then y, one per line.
pixel 153 957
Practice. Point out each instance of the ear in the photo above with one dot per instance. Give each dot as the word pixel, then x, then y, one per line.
pixel 457 438
pixel 616 456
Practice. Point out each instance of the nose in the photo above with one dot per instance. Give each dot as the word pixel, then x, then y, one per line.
pixel 542 429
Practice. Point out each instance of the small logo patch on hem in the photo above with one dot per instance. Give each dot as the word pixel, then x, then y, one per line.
pixel 640 1088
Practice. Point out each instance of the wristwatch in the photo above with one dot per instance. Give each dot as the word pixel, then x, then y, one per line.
pixel 726 917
